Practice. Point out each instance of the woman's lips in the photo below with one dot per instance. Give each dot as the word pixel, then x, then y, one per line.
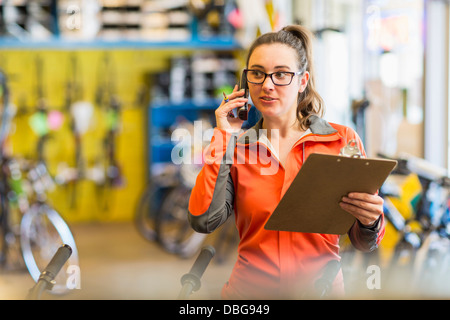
pixel 267 99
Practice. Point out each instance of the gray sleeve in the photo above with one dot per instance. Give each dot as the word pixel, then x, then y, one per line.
pixel 222 202
pixel 365 238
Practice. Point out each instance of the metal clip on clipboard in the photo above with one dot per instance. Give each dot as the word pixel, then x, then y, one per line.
pixel 351 150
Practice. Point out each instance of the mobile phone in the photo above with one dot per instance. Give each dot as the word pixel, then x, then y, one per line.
pixel 243 111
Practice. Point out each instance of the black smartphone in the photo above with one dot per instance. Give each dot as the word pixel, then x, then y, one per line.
pixel 243 111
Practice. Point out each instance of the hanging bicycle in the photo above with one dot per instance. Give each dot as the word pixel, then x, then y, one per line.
pixel 29 225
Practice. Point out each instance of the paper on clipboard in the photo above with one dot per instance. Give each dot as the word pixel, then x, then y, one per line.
pixel 311 204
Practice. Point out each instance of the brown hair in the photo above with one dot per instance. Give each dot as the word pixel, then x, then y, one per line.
pixel 309 102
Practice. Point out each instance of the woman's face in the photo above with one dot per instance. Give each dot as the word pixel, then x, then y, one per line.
pixel 272 100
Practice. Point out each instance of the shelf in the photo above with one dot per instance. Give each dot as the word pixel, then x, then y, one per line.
pixel 216 43
pixel 208 104
pixel 161 150
pixel 164 115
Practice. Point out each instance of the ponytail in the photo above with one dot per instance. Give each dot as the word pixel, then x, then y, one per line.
pixel 299 38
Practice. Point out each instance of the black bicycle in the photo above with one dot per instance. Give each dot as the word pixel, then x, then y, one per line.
pixel 30 227
pixel 419 263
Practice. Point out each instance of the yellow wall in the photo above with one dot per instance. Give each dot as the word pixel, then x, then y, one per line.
pixel 130 67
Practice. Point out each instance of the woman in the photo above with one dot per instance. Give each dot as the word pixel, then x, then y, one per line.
pixel 248 173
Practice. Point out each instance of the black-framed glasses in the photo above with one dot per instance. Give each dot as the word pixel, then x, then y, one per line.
pixel 279 78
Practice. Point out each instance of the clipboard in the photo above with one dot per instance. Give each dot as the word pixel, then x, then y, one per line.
pixel 311 204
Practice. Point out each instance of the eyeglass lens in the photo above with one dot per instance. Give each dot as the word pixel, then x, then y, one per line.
pixel 278 78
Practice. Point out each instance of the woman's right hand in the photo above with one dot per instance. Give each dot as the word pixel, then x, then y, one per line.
pixel 225 119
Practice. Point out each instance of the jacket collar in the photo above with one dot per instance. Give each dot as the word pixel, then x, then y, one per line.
pixel 318 126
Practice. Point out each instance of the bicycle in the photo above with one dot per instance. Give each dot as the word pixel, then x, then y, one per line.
pixel 29 225
pixel 433 260
pixel 415 252
pixel 420 261
pixel 152 197
pixel 172 226
pixel 42 229
pixel 162 211
pixel 161 216
pixel 107 163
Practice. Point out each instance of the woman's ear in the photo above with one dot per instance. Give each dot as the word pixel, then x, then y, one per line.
pixel 303 81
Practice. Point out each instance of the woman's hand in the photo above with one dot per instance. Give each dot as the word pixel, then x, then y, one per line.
pixel 224 114
pixel 365 207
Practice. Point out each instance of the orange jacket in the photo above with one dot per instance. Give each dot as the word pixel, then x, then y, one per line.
pixel 242 174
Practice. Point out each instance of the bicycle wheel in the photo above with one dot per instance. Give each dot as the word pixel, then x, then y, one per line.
pixel 147 210
pixel 42 232
pixel 433 268
pixel 10 252
pixel 172 227
pixel 401 268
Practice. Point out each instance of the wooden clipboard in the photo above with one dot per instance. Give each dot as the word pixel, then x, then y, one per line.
pixel 311 204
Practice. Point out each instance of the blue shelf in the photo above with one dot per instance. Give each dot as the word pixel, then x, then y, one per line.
pixel 196 41
pixel 216 43
pixel 166 114
pixel 208 104
pixel 162 151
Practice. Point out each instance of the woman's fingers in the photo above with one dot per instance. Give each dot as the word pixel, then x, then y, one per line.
pixel 365 207
pixel 226 108
pixel 225 118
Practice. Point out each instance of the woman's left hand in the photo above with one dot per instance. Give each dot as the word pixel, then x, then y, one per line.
pixel 365 207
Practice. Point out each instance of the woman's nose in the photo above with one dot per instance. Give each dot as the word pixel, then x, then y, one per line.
pixel 268 83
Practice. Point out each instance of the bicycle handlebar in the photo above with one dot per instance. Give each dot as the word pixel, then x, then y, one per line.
pixel 46 279
pixel 324 283
pixel 191 280
pixel 424 169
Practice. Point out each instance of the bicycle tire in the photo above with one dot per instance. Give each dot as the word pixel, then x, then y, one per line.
pixel 172 226
pixel 147 211
pixel 433 268
pixel 3 230
pixel 38 228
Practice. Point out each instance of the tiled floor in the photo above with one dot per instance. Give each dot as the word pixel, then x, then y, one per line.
pixel 117 263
